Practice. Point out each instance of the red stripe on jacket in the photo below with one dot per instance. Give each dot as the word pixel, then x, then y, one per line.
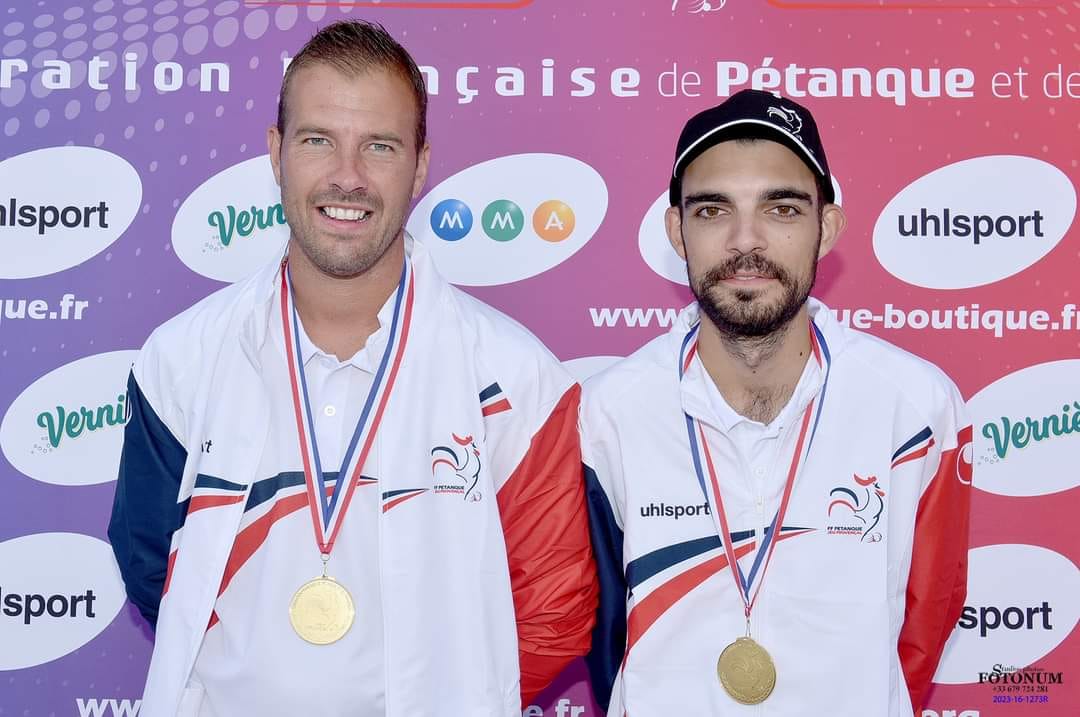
pixel 555 589
pixel 937 584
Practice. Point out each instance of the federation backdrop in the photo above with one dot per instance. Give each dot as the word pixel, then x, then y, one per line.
pixel 134 180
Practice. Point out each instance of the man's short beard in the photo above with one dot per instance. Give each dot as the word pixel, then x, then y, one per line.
pixel 744 318
pixel 325 255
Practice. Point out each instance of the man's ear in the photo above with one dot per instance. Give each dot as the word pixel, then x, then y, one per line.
pixel 833 221
pixel 422 162
pixel 673 225
pixel 273 144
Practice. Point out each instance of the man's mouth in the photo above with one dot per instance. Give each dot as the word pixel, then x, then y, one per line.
pixel 345 214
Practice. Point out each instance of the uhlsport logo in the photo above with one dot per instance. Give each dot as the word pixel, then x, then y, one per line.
pixel 657 251
pixel 67 427
pixel 974 222
pixel 455 468
pixel 1011 621
pixel 58 591
pixel 1027 430
pixel 61 206
pixel 233 223
pixel 510 218
pixel 665 510
pixel 855 509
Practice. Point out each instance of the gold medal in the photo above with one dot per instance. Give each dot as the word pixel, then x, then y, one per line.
pixel 746 671
pixel 321 611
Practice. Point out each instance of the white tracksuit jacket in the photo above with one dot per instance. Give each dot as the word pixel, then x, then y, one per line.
pixel 471 590
pixel 867 579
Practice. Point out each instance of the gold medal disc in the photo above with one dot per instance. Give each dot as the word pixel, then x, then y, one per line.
pixel 321 611
pixel 746 671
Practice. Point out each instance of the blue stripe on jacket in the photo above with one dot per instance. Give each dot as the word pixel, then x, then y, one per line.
pixel 609 634
pixel 145 512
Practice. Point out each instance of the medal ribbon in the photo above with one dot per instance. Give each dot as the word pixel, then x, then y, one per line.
pixel 329 504
pixel 699 447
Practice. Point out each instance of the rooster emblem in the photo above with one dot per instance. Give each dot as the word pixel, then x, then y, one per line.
pixel 465 466
pixel 866 503
pixel 789 117
pixel 700 6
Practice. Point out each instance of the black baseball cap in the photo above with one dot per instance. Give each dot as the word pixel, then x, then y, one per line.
pixel 752 114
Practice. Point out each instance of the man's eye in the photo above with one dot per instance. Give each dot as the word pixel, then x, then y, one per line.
pixel 708 212
pixel 786 210
pixel 318 141
pixel 381 147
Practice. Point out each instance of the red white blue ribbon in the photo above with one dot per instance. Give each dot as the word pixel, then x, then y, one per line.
pixel 329 499
pixel 749 585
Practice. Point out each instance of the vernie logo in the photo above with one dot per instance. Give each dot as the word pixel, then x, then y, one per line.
pixel 66 428
pixel 233 223
pixel 1027 430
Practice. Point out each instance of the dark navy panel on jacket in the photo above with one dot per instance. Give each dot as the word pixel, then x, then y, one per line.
pixel 147 486
pixel 609 633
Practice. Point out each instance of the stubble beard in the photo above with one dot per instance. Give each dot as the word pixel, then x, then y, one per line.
pixel 744 317
pixel 341 255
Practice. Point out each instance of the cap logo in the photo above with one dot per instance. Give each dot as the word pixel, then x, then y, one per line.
pixel 701 6
pixel 789 117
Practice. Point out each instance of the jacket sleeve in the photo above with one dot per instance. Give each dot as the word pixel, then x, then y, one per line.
pixel 937 581
pixel 145 511
pixel 609 635
pixel 542 508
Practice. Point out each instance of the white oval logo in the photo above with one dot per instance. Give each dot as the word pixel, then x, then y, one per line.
pixel 588 366
pixel 67 427
pixel 60 206
pixel 654 246
pixel 233 223
pixel 657 251
pixel 58 592
pixel 1007 620
pixel 510 218
pixel 974 222
pixel 1027 431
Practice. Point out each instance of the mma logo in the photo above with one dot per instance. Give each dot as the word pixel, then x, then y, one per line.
pixel 502 220
pixel 462 461
pixel 546 209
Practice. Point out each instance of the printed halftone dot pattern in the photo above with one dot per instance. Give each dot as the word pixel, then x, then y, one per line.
pixel 162 32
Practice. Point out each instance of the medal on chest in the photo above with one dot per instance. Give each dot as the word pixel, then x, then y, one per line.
pixel 322 610
pixel 745 669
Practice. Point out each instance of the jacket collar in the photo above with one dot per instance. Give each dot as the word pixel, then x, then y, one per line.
pixel 261 293
pixel 693 391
